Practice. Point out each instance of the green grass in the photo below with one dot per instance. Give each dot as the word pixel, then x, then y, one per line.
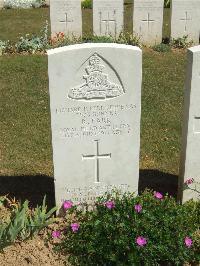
pixel 18 22
pixel 25 141
pixel 162 98
pixel 24 110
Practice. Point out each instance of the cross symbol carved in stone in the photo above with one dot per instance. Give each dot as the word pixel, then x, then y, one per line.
pixel 186 19
pixel 148 20
pixel 66 21
pixel 107 22
pixel 97 156
pixel 196 126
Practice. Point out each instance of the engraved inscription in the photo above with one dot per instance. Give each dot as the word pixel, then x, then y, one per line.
pixel 96 121
pixel 148 20
pixel 66 21
pixel 107 24
pixel 97 156
pixel 95 131
pixel 97 85
pixel 186 19
pixel 89 194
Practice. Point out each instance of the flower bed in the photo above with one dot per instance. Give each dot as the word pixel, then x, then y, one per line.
pixel 150 229
pixel 119 229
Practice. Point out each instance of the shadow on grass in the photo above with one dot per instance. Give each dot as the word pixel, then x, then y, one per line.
pixel 158 181
pixel 31 188
pixel 34 188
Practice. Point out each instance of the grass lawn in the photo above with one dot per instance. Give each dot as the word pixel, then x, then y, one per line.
pixel 25 120
pixel 25 136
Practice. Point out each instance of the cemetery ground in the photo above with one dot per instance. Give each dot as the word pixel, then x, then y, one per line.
pixel 25 142
pixel 25 101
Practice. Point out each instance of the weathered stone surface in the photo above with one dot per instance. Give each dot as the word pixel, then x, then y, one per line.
pixel 185 19
pixel 66 17
pixel 148 21
pixel 95 99
pixel 108 18
pixel 190 158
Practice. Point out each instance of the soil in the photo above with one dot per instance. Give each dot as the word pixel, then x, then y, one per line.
pixel 37 251
pixel 31 252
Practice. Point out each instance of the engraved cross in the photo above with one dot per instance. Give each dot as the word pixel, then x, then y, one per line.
pixel 148 20
pixel 196 127
pixel 97 156
pixel 186 19
pixel 107 22
pixel 66 21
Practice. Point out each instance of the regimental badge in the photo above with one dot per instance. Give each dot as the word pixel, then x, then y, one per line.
pixel 97 85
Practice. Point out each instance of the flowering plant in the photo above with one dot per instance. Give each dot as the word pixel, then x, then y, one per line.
pixel 4 47
pixel 32 44
pixel 23 3
pixel 193 185
pixel 151 229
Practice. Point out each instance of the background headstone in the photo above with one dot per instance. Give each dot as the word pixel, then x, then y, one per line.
pixel 148 21
pixel 108 17
pixel 47 2
pixel 190 157
pixel 95 99
pixel 1 4
pixel 185 19
pixel 66 17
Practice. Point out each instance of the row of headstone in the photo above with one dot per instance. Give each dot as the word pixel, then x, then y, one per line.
pixel 95 99
pixel 108 19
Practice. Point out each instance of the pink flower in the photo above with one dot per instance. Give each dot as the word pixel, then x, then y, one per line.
pixel 141 241
pixel 75 227
pixel 158 195
pixel 138 208
pixel 67 204
pixel 110 204
pixel 189 181
pixel 56 234
pixel 188 241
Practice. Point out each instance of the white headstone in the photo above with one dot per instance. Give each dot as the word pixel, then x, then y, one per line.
pixel 66 17
pixel 108 18
pixel 95 99
pixel 185 19
pixel 148 21
pixel 190 157
pixel 1 4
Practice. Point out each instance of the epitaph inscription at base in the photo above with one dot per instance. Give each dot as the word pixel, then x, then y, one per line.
pixel 95 119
